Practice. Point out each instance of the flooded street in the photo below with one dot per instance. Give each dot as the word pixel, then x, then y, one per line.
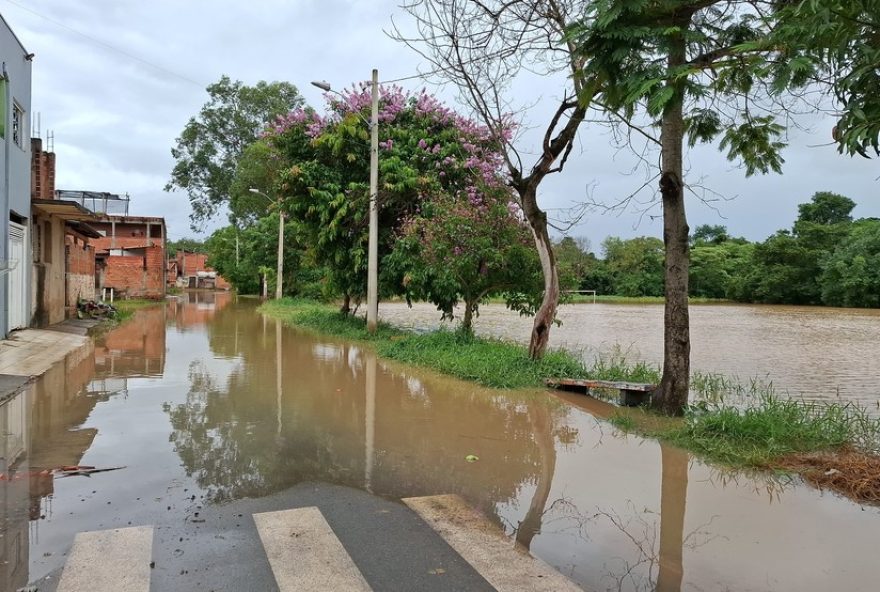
pixel 806 351
pixel 206 403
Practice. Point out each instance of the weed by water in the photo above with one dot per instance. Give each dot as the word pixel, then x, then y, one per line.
pixel 772 428
pixel 125 309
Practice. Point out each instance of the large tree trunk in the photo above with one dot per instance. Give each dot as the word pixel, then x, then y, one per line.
pixel 546 314
pixel 672 395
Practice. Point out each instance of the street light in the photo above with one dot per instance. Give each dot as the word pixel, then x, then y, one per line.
pixel 280 241
pixel 373 246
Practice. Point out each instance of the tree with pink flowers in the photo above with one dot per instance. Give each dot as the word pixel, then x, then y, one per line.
pixel 437 171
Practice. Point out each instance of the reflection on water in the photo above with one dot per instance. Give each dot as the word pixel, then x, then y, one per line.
pixel 817 353
pixel 243 407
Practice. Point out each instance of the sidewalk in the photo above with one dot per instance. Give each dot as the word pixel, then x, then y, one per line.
pixel 29 353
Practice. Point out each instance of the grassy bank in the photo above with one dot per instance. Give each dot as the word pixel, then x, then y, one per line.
pixel 489 362
pixel 830 444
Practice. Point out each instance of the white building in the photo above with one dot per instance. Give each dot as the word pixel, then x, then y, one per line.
pixel 15 181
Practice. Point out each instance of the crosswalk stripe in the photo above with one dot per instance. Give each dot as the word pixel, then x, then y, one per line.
pixel 109 561
pixel 305 554
pixel 506 567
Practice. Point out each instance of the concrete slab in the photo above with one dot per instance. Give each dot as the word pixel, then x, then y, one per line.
pixel 507 567
pixel 31 352
pixel 10 385
pixel 305 554
pixel 109 561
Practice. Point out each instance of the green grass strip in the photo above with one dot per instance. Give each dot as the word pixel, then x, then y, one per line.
pixel 489 362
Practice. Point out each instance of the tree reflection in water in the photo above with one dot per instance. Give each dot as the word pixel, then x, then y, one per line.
pixel 307 409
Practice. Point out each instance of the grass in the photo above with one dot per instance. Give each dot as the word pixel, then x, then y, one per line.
pixel 489 362
pixel 764 434
pixel 125 309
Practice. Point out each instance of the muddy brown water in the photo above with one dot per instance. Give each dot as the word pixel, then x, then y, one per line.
pixel 205 401
pixel 802 351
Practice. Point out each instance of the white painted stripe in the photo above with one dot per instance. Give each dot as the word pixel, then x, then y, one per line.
pixel 305 554
pixel 109 561
pixel 509 568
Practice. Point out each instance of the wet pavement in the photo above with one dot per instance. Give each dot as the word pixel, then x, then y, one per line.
pixel 218 413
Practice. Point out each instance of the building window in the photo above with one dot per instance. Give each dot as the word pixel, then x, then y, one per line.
pixel 18 125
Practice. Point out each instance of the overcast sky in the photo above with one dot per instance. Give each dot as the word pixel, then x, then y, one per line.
pixel 116 81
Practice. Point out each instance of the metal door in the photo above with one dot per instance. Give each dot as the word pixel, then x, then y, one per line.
pixel 17 289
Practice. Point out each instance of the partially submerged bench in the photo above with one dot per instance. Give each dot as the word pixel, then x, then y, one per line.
pixel 632 394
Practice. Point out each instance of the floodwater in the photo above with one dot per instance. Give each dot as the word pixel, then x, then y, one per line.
pixel 206 398
pixel 811 352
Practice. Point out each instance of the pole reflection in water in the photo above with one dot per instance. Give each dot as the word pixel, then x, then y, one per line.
pixel 673 499
pixel 278 374
pixel 369 417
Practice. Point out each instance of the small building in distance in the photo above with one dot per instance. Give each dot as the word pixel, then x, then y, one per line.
pixel 130 250
pixel 190 269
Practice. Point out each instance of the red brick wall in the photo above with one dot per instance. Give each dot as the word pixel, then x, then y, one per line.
pixel 80 258
pixel 42 171
pixel 138 276
pixel 80 271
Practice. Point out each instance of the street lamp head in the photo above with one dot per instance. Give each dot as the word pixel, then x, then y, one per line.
pixel 323 85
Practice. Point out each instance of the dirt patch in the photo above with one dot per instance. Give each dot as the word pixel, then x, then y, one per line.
pixel 848 472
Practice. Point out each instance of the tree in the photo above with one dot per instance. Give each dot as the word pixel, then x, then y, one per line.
pixel 635 265
pixel 842 36
pixel 184 244
pixel 426 150
pixel 851 275
pixel 481 47
pixel 454 250
pixel 708 233
pixel 658 57
pixel 573 260
pixel 825 208
pixel 207 152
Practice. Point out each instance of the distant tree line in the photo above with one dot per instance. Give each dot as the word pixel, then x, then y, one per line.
pixel 826 258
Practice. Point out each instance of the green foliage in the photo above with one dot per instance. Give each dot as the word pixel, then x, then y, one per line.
pixel 184 244
pixel 635 265
pixel 239 254
pixel 208 150
pixel 825 208
pixel 841 38
pixel 455 250
pixel 715 266
pixel 851 274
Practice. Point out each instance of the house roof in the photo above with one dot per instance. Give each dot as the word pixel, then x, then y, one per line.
pixel 66 210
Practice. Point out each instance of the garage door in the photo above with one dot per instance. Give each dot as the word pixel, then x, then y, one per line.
pixel 17 292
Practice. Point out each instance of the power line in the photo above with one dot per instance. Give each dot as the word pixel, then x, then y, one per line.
pixel 106 45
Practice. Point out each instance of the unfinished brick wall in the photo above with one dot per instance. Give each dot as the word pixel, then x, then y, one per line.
pixel 137 276
pixel 80 271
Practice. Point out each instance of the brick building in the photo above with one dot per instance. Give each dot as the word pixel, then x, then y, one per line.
pixel 190 270
pixel 63 260
pixel 130 256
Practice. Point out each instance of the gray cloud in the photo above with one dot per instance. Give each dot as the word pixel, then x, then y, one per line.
pixel 115 118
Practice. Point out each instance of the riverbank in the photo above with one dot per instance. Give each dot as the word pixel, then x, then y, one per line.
pixel 831 445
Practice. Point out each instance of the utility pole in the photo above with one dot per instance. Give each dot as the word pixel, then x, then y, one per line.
pixel 373 247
